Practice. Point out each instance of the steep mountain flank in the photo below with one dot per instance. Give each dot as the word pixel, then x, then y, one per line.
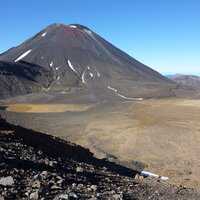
pixel 75 58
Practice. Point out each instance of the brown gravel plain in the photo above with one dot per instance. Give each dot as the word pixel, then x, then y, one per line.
pixel 164 134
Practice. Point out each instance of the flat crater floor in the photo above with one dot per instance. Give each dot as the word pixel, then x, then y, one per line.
pixel 164 134
pixel 44 108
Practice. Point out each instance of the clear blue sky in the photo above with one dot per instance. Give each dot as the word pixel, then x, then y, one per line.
pixel 163 34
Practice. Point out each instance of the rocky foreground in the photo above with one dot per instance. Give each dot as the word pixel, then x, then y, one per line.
pixel 38 166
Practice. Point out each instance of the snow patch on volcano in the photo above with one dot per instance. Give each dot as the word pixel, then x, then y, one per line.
pixel 58 78
pixel 83 78
pixel 91 74
pixel 44 34
pixel 72 26
pixel 51 64
pixel 23 55
pixel 88 32
pixel 71 66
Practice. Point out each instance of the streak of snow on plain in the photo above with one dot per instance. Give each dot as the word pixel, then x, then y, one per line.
pixel 149 174
pixel 138 99
pixel 71 66
pixel 122 96
pixel 145 173
pixel 112 88
pixel 164 178
pixel 23 55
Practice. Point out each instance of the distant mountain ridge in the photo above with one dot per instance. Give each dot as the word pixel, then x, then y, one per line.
pixel 74 58
pixel 190 81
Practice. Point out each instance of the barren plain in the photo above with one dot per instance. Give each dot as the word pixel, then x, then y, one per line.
pixel 164 134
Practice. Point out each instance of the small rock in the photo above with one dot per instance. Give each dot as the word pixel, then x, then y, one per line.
pixel 46 161
pixel 118 197
pixel 137 176
pixel 79 169
pixel 34 195
pixel 64 196
pixel 36 184
pixel 54 187
pixel 73 184
pixel 1 197
pixel 26 194
pixel 44 173
pixel 89 189
pixel 52 163
pixel 40 152
pixel 72 194
pixel 80 186
pixel 6 181
pixel 60 181
pixel 94 187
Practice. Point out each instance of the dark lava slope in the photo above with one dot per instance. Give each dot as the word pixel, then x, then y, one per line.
pixel 22 78
pixel 38 166
pixel 74 58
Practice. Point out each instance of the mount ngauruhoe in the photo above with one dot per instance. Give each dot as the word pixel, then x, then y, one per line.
pixel 63 59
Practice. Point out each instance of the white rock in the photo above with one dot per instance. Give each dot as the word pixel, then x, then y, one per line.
pixel 72 194
pixel 164 178
pixel 94 187
pixel 1 197
pixel 34 195
pixel 79 169
pixel 36 184
pixel 62 196
pixel 6 181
